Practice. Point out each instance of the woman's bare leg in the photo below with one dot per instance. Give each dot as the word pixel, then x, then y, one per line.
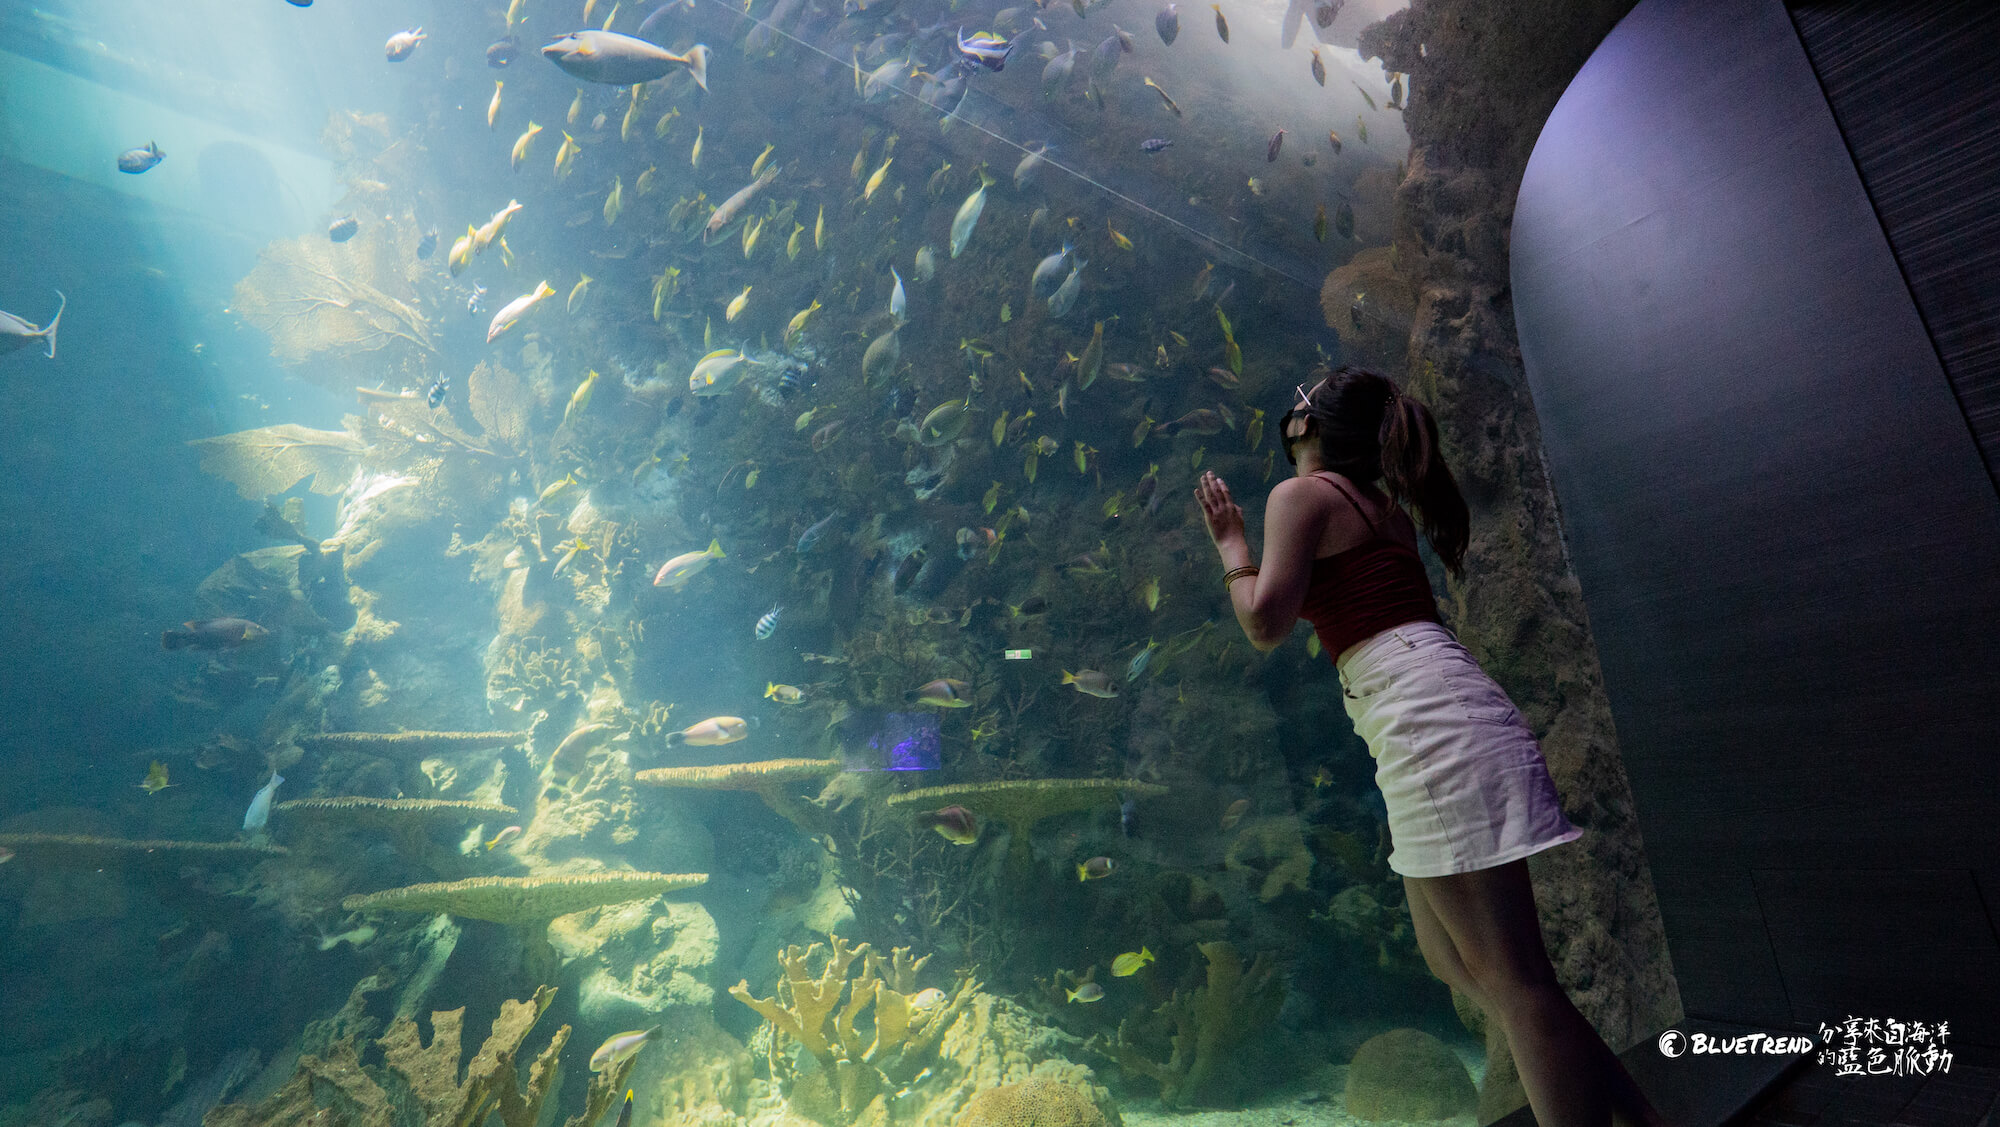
pixel 1572 1078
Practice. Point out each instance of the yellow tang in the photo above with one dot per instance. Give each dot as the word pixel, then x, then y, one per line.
pixel 1128 964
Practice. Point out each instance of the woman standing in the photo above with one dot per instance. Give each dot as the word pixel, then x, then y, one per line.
pixel 1468 793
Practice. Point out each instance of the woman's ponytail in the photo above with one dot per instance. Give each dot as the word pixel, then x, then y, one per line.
pixel 1414 472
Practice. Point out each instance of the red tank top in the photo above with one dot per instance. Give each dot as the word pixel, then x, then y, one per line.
pixel 1375 585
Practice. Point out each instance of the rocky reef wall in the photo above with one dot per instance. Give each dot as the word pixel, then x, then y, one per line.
pixel 1436 311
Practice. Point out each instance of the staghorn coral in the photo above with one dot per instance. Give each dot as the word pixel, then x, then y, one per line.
pixel 1209 1022
pixel 1032 1103
pixel 407 745
pixel 772 780
pixel 356 811
pixel 85 851
pixel 523 900
pixel 858 1060
pixel 1020 803
pixel 270 460
pixel 418 1085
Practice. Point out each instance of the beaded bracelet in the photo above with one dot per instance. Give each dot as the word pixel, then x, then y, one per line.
pixel 1237 573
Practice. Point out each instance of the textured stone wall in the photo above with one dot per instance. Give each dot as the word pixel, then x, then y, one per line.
pixel 1436 311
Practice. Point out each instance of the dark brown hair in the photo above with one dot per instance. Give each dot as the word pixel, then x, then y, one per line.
pixel 1368 430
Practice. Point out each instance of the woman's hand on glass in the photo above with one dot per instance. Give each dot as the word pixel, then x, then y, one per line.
pixel 1222 514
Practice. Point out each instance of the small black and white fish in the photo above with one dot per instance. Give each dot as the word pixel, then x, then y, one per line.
pixel 476 303
pixel 428 244
pixel 343 228
pixel 1155 144
pixel 435 397
pixel 768 625
pixel 136 161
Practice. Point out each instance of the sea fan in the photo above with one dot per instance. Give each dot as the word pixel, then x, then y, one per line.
pixel 271 460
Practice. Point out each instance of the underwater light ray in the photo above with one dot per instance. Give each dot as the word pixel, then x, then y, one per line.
pixel 1220 249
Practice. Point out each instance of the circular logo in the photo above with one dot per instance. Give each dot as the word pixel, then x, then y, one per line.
pixel 1673 1043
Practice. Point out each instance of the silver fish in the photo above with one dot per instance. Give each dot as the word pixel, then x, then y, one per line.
pixel 259 814
pixel 1056 75
pixel 622 60
pixel 734 204
pixel 898 303
pixel 1168 24
pixel 1024 172
pixel 1104 60
pixel 966 219
pixel 1049 270
pixel 926 266
pixel 16 333
pixel 1065 295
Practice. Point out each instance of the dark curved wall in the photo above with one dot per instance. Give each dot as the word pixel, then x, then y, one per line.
pixel 1788 542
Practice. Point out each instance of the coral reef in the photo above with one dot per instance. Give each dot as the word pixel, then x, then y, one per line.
pixel 523 900
pixel 883 1034
pixel 1408 1074
pixel 1021 803
pixel 418 1085
pixel 1032 1103
pixel 84 851
pixel 636 960
pixel 272 459
pixel 407 745
pixel 1209 1023
pixel 773 780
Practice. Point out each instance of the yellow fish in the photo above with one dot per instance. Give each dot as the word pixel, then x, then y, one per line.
pixel 783 694
pixel 1082 452
pixel 1149 593
pixel 506 835
pixel 513 14
pixel 575 109
pixel 589 6
pixel 523 143
pixel 694 157
pixel 156 778
pixel 556 489
pixel 1119 240
pixel 999 436
pixel 1128 964
pixel 819 229
pixel 1254 429
pixel 645 181
pixel 576 292
pixel 614 204
pixel 461 250
pixel 992 497
pixel 621 1047
pixel 495 227
pixel 875 181
pixel 763 158
pixel 614 15
pixel 751 232
pixel 661 126
pixel 795 329
pixel 631 115
pixel 736 305
pixel 566 156
pixel 579 400
pixel 793 245
pixel 493 107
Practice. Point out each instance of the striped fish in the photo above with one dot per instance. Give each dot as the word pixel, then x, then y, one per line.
pixel 768 625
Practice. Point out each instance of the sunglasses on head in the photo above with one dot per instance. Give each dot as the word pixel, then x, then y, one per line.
pixel 1302 411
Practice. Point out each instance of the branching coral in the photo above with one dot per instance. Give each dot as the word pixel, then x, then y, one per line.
pixel 523 900
pixel 85 851
pixel 884 1033
pixel 418 1085
pixel 1209 1022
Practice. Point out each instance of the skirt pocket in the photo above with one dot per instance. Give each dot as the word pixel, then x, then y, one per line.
pixel 1479 695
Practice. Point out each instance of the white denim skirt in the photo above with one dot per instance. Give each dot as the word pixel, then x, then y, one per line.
pixel 1464 780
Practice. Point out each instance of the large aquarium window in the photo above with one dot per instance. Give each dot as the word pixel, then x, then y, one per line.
pixel 670 534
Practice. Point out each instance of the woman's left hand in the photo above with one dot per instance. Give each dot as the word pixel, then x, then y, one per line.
pixel 1223 515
